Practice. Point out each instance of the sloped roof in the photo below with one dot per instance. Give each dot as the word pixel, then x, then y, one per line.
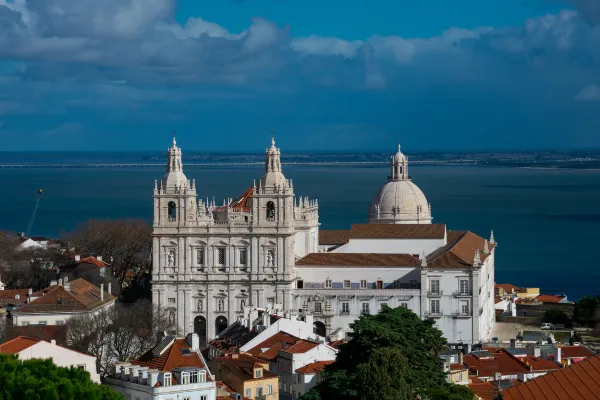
pixel 575 352
pixel 9 296
pixel 312 368
pixel 274 341
pixel 579 381
pixel 241 203
pixel 484 390
pixel 502 362
pixel 333 237
pixel 81 296
pixel 93 261
pixel 243 366
pixel 507 287
pixel 17 345
pixel 301 346
pixel 548 298
pixel 358 260
pixel 398 231
pixel 459 250
pixel 172 358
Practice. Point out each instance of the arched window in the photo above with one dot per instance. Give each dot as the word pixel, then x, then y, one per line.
pixel 172 211
pixel 220 305
pixel 270 211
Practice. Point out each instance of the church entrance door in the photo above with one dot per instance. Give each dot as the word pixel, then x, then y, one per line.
pixel 200 329
pixel 220 324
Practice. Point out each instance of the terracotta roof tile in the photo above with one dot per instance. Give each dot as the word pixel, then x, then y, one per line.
pixel 301 346
pixel 460 250
pixel 457 367
pixel 502 362
pixel 358 260
pixel 507 287
pixel 17 345
pixel 47 332
pixel 241 203
pixel 547 298
pixel 276 339
pixel 81 296
pixel 398 231
pixel 332 237
pixel 484 390
pixel 243 366
pixel 579 381
pixel 93 261
pixel 336 344
pixel 312 368
pixel 575 352
pixel 172 358
pixel 540 364
pixel 8 296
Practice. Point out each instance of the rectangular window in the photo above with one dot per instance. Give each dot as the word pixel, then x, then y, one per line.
pixel 43 323
pixel 259 391
pixel 25 323
pixel 257 373
pixel 200 257
pixel 193 376
pixel 221 256
pixel 318 308
pixel 270 389
pixel 270 300
pixel 299 284
pixel 346 284
pixel 363 284
pixel 365 308
pixel 248 392
pixel 379 284
pixel 464 307
pixel 167 379
pixel 434 286
pixel 435 307
pixel 464 287
pixel 185 378
pixel 243 257
pixel 187 398
pixel 405 305
pixel 328 284
pixel 171 300
pixel 60 322
pixel 345 308
pixel 203 397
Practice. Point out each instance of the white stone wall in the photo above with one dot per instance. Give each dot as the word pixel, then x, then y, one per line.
pixel 62 357
pixel 397 246
pixel 25 319
pixel 134 391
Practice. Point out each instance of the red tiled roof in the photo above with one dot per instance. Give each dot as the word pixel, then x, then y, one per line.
pixel 243 366
pixel 499 312
pixel 8 296
pixel 312 368
pixel 575 352
pixel 540 364
pixel 507 287
pixel 336 344
pixel 81 296
pixel 47 332
pixel 457 367
pixel 240 203
pixel 460 250
pixel 171 358
pixel 222 385
pixel 484 390
pixel 93 261
pixel 547 298
pixel 301 346
pixel 358 260
pixel 17 345
pixel 333 237
pixel 398 231
pixel 579 381
pixel 276 339
pixel 502 362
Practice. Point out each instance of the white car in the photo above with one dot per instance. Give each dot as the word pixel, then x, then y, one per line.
pixel 547 325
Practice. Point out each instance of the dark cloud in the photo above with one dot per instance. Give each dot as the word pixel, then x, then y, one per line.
pixel 589 9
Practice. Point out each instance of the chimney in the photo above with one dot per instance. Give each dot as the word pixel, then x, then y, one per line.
pixel 99 258
pixel 77 258
pixel 460 357
pixel 30 291
pixel 513 343
pixel 66 285
pixel 53 342
pixel 102 292
pixel 193 340
pixel 537 351
pixel 558 355
pixel 53 283
pixel 160 336
pixel 109 288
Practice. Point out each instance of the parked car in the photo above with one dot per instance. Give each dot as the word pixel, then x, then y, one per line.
pixel 547 325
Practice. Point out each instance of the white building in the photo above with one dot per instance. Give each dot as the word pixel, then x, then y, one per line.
pixel 61 301
pixel 264 247
pixel 173 369
pixel 27 349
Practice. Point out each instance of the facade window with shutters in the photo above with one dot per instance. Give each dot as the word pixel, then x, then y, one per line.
pixel 405 305
pixel 464 307
pixel 318 309
pixel 243 257
pixel 435 307
pixel 464 287
pixel 363 284
pixel 345 308
pixel 434 286
pixel 328 284
pixel 171 300
pixel 200 257
pixel 270 300
pixel 346 284
pixel 365 308
pixel 221 256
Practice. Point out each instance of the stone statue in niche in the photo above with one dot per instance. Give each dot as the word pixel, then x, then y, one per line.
pixel 270 257
pixel 172 317
pixel 199 304
pixel 242 304
pixel 171 258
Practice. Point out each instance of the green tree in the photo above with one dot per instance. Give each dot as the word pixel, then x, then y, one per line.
pixel 587 310
pixel 557 316
pixel 390 355
pixel 42 380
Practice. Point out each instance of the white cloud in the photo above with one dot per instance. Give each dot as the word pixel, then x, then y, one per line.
pixel 589 93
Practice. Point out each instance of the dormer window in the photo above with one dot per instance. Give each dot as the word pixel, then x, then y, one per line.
pixel 193 376
pixel 258 373
pixel 167 379
pixel 202 376
pixel 185 378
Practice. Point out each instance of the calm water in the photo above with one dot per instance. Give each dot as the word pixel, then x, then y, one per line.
pixel 546 221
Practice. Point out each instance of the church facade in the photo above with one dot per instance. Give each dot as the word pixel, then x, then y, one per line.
pixel 264 249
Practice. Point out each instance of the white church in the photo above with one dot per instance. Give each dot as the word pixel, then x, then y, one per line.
pixel 265 249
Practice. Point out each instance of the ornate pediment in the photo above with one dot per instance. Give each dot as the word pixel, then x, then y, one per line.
pixel 220 295
pixel 242 296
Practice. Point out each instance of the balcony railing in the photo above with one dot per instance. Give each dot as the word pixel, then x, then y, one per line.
pixel 406 293
pixel 462 314
pixel 434 314
pixel 345 312
pixel 435 293
pixel 462 293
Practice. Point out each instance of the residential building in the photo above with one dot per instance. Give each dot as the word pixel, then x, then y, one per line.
pixel 458 374
pixel 483 390
pixel 28 348
pixel 12 298
pixel 308 376
pixel 573 354
pixel 291 358
pixel 264 249
pixel 502 366
pixel 249 376
pixel 173 369
pixel 61 301
pixel 506 289
pixel 576 382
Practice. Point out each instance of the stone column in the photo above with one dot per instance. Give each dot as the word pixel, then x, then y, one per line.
pixel 187 320
pixel 287 299
pixel 260 297
pixel 476 305
pixel 180 311
pixel 210 315
pixel 424 284
pixel 156 256
pixel 231 305
pixel 180 267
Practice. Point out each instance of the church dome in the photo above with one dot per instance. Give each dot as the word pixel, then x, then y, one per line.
pixel 273 176
pixel 399 201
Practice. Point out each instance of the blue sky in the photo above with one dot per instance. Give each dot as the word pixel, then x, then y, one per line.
pixel 335 75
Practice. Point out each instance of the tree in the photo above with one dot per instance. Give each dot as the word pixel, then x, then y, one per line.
pixel 391 355
pixel 557 316
pixel 126 243
pixel 587 310
pixel 118 334
pixel 41 379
